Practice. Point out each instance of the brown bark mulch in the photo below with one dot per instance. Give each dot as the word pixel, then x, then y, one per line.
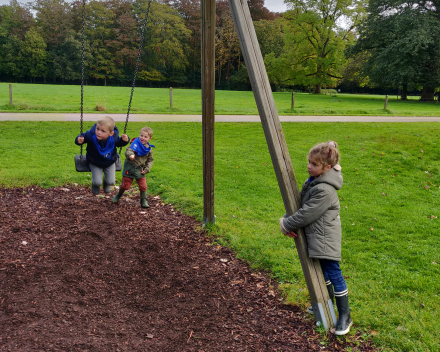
pixel 78 273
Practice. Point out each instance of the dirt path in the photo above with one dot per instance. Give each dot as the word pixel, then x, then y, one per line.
pixel 78 273
pixel 198 118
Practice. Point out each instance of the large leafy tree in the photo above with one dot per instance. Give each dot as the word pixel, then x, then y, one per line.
pixel 166 43
pixel 15 22
pixel 402 39
pixel 190 12
pixel 99 31
pixel 317 32
pixel 33 54
pixel 227 45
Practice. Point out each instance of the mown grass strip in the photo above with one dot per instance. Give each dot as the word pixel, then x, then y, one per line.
pixel 66 98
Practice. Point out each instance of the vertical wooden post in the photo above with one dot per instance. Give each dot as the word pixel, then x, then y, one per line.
pixel 293 101
pixel 171 97
pixel 208 107
pixel 10 94
pixel 386 102
pixel 322 306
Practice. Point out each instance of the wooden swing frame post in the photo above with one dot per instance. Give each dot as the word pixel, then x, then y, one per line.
pixel 208 106
pixel 321 303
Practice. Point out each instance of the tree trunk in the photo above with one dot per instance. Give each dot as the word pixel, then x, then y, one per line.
pixel 105 81
pixel 318 88
pixel 427 94
pixel 404 94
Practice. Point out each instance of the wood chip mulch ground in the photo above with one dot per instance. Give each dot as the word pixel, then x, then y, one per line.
pixel 78 273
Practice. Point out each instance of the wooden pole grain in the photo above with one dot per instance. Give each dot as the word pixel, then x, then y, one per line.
pixel 208 106
pixel 322 307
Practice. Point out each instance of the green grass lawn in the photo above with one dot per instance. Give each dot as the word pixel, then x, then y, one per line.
pixel 390 206
pixel 65 98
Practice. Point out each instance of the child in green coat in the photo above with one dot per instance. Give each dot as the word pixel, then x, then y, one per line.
pixel 138 162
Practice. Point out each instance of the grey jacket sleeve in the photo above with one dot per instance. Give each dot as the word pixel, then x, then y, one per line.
pixel 318 203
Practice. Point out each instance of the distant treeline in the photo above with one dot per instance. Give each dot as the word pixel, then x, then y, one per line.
pixel 42 42
pixel 379 46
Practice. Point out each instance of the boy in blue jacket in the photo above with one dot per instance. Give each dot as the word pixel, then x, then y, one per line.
pixel 102 140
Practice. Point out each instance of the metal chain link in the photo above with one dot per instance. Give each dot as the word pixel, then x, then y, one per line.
pixel 143 26
pixel 82 66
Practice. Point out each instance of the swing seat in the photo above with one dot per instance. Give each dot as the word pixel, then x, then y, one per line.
pixel 82 165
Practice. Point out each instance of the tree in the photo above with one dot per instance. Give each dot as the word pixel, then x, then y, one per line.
pixel 15 22
pixel 67 59
pixel 190 11
pixel 402 41
pixel 227 45
pixel 315 40
pixel 259 11
pixel 270 36
pixel 166 43
pixel 33 54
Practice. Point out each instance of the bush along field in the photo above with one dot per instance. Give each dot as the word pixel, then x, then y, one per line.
pixel 390 206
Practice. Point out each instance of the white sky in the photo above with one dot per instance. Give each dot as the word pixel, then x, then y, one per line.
pixel 272 5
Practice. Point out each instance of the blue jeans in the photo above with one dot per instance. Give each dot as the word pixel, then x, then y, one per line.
pixel 333 275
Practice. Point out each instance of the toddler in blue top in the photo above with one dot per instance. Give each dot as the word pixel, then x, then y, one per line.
pixel 102 140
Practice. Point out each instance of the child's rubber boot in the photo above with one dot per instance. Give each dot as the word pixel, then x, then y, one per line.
pixel 344 322
pixel 107 188
pixel 96 190
pixel 144 203
pixel 118 196
pixel 331 294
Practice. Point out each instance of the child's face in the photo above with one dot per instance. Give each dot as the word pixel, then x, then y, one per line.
pixel 316 169
pixel 144 137
pixel 102 132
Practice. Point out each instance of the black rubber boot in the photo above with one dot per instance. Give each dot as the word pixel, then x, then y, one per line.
pixel 96 190
pixel 118 196
pixel 107 188
pixel 331 294
pixel 344 322
pixel 144 203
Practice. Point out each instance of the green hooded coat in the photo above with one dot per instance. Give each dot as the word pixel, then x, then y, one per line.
pixel 133 168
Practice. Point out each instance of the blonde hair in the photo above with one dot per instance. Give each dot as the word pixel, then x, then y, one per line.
pixel 325 153
pixel 108 122
pixel 147 130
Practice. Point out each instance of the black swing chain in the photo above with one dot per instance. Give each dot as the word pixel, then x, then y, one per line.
pixel 82 66
pixel 143 26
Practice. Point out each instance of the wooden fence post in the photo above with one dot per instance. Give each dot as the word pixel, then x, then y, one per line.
pixel 208 107
pixel 10 94
pixel 322 305
pixel 171 97
pixel 293 101
pixel 386 102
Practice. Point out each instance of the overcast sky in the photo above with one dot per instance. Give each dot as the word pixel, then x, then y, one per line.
pixel 272 5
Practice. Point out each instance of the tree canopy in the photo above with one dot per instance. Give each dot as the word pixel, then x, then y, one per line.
pixel 402 39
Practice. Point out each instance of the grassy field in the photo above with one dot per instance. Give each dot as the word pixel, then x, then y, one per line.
pixel 59 98
pixel 390 206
